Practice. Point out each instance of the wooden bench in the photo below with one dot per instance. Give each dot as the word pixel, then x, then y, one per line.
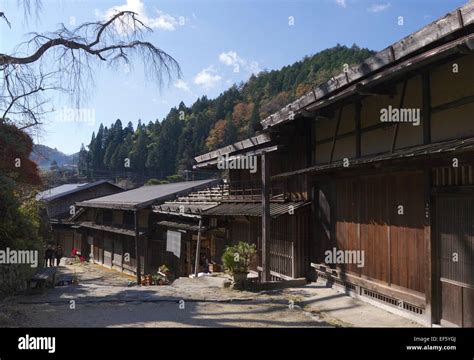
pixel 43 277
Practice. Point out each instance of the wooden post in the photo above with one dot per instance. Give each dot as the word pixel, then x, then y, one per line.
pixel 137 247
pixel 335 132
pixel 293 259
pixel 198 250
pixel 402 101
pixel 123 253
pixel 431 307
pixel 426 111
pixel 357 127
pixel 430 273
pixel 310 142
pixel 265 218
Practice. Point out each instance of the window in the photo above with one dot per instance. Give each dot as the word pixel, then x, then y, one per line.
pixel 128 219
pixel 107 216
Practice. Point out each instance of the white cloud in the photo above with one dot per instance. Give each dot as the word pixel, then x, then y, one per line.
pixel 182 85
pixel 207 78
pixel 161 21
pixel 231 58
pixel 341 3
pixel 375 8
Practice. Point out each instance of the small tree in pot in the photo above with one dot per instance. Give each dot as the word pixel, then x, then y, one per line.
pixel 237 258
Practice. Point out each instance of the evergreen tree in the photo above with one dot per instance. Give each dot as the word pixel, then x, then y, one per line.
pixel 164 148
pixel 82 164
pixel 138 153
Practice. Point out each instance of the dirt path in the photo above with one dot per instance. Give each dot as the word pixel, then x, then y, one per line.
pixel 103 299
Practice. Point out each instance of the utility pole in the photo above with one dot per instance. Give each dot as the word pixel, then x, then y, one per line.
pixel 137 247
pixel 265 218
pixel 198 251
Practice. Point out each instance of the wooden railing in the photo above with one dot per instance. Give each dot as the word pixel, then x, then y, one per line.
pixel 252 191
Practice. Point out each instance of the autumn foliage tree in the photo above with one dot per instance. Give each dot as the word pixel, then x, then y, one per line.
pixel 15 163
pixel 207 124
pixel 61 61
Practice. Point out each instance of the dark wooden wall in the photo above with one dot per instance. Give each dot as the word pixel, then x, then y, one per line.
pixel 455 235
pixel 362 214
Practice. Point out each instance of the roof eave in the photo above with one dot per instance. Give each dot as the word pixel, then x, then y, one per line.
pixel 407 47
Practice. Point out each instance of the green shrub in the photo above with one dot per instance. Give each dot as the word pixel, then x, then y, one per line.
pixel 237 258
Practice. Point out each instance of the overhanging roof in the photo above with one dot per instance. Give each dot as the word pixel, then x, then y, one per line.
pixel 247 144
pixel 183 208
pixel 422 40
pixel 212 163
pixel 146 195
pixel 180 225
pixel 416 152
pixel 254 209
pixel 458 46
pixel 68 189
pixel 109 228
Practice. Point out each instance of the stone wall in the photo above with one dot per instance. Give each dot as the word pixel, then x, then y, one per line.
pixel 13 278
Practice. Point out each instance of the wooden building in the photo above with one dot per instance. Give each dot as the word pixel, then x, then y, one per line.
pixel 384 154
pixel 59 202
pixel 118 227
pixel 191 235
pixel 287 206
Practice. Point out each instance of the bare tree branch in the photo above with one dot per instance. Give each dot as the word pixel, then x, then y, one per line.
pixel 2 15
pixel 71 53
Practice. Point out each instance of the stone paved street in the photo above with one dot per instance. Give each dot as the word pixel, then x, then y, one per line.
pixel 103 299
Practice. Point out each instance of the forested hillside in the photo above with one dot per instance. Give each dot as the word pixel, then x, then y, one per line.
pixel 43 156
pixel 162 148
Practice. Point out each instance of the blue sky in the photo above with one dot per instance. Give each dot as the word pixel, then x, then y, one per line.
pixel 210 40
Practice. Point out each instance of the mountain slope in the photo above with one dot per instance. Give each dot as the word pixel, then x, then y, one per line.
pixel 43 155
pixel 162 148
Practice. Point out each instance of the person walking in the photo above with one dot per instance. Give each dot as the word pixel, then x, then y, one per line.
pixel 58 254
pixel 48 254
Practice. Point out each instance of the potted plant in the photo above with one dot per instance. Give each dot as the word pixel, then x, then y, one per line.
pixel 163 276
pixel 164 270
pixel 237 259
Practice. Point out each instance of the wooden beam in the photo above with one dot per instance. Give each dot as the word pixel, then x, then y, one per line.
pixel 381 125
pixel 402 101
pixel 137 247
pixel 453 104
pixel 361 89
pixel 265 218
pixel 198 251
pixel 394 291
pixel 276 274
pixel 336 131
pixel 308 114
pixel 426 109
pixel 310 143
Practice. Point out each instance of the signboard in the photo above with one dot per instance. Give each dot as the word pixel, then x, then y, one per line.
pixel 173 242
